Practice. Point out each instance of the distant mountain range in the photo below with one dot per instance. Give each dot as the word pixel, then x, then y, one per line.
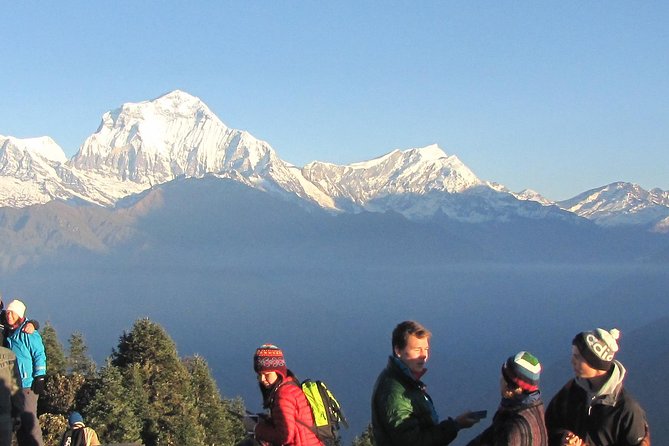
pixel 176 136
pixel 167 213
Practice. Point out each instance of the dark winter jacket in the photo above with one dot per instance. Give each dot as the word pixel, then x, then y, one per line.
pixel 11 397
pixel 608 417
pixel 290 421
pixel 403 413
pixel 516 423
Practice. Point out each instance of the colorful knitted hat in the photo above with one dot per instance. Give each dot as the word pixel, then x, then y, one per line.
pixel 598 347
pixel 269 358
pixel 522 370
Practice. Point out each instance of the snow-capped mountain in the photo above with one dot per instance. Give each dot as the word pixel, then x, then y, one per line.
pixel 415 171
pixel 29 171
pixel 177 135
pixel 141 145
pixel 144 144
pixel 621 204
pixel 532 195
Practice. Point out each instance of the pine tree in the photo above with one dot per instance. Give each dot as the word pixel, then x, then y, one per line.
pixel 365 439
pixel 61 390
pixel 217 416
pixel 170 417
pixel 61 393
pixel 78 360
pixel 53 427
pixel 53 349
pixel 113 410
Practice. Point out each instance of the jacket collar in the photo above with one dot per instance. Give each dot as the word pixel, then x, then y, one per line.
pixel 403 370
pixel 526 400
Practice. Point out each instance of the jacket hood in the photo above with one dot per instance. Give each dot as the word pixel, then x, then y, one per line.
pixel 608 393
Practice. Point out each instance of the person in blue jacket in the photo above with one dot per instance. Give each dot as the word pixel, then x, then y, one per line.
pixel 31 359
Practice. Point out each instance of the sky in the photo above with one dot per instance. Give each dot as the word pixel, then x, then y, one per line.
pixel 558 97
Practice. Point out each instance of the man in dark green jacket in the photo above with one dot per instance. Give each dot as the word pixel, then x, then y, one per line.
pixel 402 412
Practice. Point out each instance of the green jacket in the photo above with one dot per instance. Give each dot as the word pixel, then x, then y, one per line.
pixel 403 413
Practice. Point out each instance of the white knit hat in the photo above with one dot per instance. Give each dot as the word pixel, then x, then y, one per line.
pixel 18 307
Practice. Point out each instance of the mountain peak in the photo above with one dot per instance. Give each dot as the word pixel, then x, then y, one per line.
pixel 154 141
pixel 173 105
pixel 532 195
pixel 177 94
pixel 178 100
pixel 431 152
pixel 43 146
pixel 620 203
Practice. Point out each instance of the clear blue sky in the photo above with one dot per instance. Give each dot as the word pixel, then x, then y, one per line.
pixel 560 97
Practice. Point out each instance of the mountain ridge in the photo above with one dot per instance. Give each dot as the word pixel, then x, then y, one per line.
pixel 140 145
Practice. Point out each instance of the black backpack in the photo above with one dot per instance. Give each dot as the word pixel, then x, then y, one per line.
pixel 73 437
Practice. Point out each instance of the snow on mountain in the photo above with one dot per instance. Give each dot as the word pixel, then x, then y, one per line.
pixel 143 144
pixel 415 171
pixel 532 195
pixel 620 204
pixel 421 183
pixel 43 147
pixel 29 171
pixel 662 226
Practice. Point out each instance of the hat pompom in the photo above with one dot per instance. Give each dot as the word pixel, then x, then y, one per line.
pixel 610 338
pixel 615 333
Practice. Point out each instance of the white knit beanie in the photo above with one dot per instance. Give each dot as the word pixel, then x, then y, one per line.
pixel 18 307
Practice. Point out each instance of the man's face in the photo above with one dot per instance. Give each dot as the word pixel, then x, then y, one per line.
pixel 415 353
pixel 581 368
pixel 12 318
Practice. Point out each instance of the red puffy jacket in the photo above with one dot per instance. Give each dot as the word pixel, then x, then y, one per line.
pixel 290 417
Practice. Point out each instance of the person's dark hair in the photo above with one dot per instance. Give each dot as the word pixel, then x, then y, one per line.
pixel 405 329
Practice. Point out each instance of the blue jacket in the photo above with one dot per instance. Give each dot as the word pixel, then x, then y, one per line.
pixel 30 355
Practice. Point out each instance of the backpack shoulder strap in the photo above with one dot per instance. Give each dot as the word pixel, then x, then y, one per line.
pixel 73 437
pixel 78 437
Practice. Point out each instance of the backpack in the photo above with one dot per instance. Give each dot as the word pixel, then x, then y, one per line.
pixel 326 410
pixel 73 437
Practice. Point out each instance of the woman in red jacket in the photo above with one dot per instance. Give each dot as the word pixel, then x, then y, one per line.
pixel 290 421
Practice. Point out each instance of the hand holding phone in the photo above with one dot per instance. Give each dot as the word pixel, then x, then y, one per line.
pixel 249 422
pixel 478 414
pixel 470 418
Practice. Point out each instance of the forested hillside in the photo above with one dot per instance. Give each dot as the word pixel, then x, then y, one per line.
pixel 145 393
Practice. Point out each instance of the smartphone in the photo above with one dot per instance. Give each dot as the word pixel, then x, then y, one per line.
pixel 479 414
